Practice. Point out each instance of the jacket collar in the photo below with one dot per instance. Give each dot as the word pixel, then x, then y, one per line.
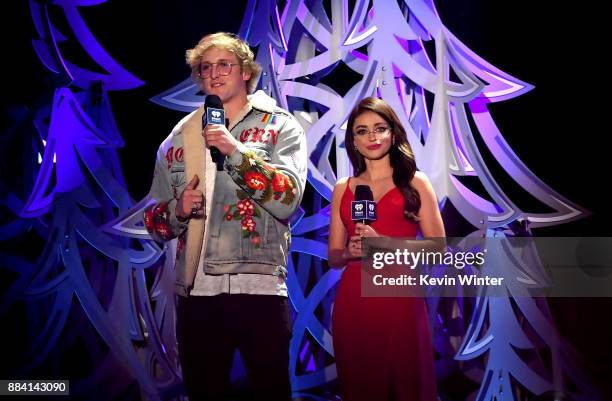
pixel 258 100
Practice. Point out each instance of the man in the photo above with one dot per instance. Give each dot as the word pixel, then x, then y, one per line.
pixel 232 226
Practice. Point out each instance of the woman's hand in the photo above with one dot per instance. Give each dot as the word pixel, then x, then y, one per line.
pixel 364 230
pixel 353 249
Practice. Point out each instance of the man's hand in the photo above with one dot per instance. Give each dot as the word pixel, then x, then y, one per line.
pixel 191 201
pixel 218 136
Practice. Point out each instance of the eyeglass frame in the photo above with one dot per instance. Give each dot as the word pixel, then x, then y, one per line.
pixel 218 72
pixel 387 128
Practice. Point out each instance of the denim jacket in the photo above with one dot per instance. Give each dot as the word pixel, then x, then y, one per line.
pixel 251 199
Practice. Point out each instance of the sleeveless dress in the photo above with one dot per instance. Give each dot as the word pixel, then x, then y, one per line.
pixel 382 345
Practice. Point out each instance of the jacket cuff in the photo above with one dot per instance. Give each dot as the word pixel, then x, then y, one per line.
pixel 235 159
pixel 160 221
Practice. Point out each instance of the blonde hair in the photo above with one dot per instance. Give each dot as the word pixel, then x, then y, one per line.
pixel 232 43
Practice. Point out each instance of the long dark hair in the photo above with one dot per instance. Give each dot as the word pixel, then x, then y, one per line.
pixel 400 154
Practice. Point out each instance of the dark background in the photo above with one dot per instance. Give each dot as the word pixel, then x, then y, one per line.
pixel 559 129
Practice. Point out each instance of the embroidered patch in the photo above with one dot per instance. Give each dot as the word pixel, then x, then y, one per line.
pixel 156 220
pixel 243 211
pixel 257 175
pixel 169 154
pixel 178 155
pixel 180 245
pixel 273 134
pixel 268 119
pixel 258 135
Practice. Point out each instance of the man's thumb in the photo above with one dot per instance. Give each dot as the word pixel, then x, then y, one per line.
pixel 193 183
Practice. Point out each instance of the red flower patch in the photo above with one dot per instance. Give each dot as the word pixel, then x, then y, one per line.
pixel 179 246
pixel 148 219
pixel 163 230
pixel 248 224
pixel 244 211
pixel 156 220
pixel 280 182
pixel 256 180
pixel 245 206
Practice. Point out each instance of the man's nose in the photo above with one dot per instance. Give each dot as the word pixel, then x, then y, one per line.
pixel 214 73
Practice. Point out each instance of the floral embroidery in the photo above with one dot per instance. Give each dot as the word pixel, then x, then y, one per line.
pixel 148 219
pixel 280 182
pixel 258 181
pixel 256 175
pixel 245 206
pixel 180 245
pixel 244 211
pixel 255 180
pixel 248 224
pixel 269 168
pixel 256 241
pixel 156 219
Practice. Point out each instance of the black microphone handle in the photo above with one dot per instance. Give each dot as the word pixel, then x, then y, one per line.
pixel 217 157
pixel 215 153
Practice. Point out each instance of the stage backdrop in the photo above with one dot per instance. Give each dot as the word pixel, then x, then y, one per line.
pixel 93 298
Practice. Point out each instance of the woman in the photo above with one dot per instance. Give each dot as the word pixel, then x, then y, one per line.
pixel 382 345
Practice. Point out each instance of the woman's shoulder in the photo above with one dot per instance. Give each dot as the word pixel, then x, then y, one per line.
pixel 340 187
pixel 421 183
pixel 342 182
pixel 420 180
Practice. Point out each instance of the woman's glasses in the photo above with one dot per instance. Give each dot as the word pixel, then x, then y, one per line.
pixel 378 131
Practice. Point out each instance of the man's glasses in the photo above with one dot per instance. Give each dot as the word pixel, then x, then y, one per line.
pixel 378 131
pixel 224 68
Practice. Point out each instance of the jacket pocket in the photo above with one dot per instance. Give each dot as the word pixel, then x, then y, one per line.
pixel 217 218
pixel 225 237
pixel 271 232
pixel 271 250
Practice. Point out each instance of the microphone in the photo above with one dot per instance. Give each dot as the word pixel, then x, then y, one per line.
pixel 363 208
pixel 214 114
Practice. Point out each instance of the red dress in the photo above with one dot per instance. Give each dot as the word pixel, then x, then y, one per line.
pixel 382 346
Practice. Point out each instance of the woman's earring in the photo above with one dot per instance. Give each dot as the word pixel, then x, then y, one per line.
pixel 393 141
